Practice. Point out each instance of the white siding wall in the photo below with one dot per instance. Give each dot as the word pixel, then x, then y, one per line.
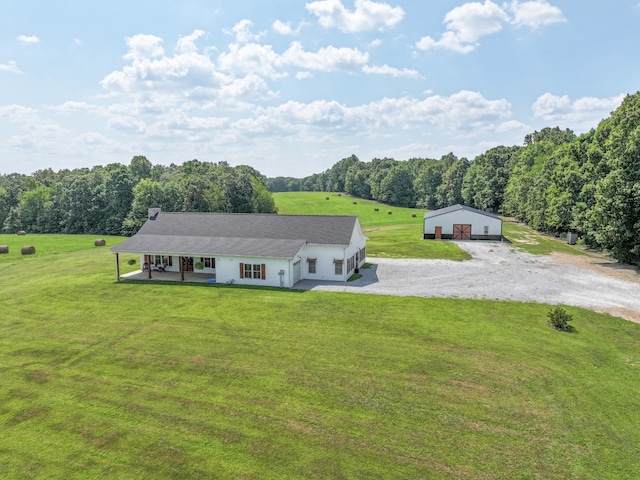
pixel 463 217
pixel 325 269
pixel 228 268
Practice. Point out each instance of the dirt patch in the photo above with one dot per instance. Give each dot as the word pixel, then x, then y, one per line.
pixel 600 264
pixel 606 266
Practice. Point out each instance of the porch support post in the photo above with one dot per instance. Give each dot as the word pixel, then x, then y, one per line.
pixel 117 267
pixel 147 260
pixel 182 268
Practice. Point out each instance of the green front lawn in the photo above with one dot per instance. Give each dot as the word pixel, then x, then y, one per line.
pixel 146 380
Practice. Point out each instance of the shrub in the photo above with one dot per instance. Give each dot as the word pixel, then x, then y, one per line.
pixel 131 261
pixel 559 319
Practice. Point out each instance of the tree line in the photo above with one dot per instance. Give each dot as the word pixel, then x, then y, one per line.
pixel 556 182
pixel 114 199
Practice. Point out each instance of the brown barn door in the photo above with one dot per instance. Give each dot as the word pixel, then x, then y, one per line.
pixel 438 233
pixel 461 232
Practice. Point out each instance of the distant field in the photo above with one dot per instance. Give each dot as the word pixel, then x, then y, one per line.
pixel 395 235
pixel 166 381
pixel 400 234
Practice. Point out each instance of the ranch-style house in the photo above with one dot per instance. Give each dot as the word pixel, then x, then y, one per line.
pixel 459 222
pixel 245 248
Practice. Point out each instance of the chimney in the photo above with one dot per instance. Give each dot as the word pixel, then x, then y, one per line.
pixel 153 213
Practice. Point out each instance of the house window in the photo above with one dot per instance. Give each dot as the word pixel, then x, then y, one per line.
pixel 161 260
pixel 312 264
pixel 208 262
pixel 486 229
pixel 251 270
pixel 338 268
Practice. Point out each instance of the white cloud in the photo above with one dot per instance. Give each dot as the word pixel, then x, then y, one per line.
pixel 391 71
pixel 465 25
pixel 471 21
pixel 251 58
pixel 187 44
pixel 31 39
pixel 73 107
pixel 368 15
pixel 286 28
pixel 303 75
pixel 460 112
pixel 375 43
pixel 282 28
pixel 535 14
pixel 581 114
pixel 326 59
pixel 10 66
pixel 242 32
pixel 513 126
pixel 143 47
pixel 151 70
pixel 126 124
pixel 18 113
pixel 93 139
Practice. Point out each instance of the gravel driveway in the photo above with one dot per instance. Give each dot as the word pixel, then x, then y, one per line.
pixel 497 271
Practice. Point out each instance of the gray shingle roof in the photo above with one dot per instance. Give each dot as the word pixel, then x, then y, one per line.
pixel 241 234
pixel 455 208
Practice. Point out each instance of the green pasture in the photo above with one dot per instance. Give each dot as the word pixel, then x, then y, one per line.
pixel 400 234
pixel 129 380
pixel 395 235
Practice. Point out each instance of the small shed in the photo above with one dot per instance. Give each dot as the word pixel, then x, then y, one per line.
pixel 459 222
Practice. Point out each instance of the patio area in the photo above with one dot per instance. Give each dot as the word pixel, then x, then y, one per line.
pixel 191 277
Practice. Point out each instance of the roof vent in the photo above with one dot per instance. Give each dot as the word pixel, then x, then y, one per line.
pixel 153 213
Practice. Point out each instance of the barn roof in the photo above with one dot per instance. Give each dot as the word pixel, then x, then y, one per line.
pixel 458 207
pixel 237 234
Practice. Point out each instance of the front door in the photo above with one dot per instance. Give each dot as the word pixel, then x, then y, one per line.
pixel 462 232
pixel 187 264
pixel 438 233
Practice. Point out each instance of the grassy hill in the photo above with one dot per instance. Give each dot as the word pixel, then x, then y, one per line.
pixel 395 235
pixel 137 380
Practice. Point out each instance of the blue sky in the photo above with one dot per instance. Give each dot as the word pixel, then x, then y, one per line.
pixel 291 87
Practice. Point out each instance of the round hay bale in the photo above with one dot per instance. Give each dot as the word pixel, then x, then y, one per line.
pixel 28 250
pixel 22 232
pixel 100 242
pixel 4 248
pixel 389 212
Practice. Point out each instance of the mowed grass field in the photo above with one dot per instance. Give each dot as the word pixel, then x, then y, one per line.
pixel 399 234
pixel 101 379
pixel 395 235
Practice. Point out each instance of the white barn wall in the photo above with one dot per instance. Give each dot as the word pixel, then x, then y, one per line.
pixel 464 217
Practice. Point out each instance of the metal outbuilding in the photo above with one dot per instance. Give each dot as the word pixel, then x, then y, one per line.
pixel 459 222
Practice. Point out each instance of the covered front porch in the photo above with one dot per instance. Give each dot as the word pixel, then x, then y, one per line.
pixel 167 267
pixel 191 277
